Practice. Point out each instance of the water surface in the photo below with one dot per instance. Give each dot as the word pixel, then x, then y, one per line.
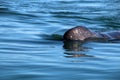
pixel 28 51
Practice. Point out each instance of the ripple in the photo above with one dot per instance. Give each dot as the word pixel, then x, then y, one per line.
pixel 31 47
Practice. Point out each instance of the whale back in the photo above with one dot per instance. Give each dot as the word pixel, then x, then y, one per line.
pixel 78 33
pixel 111 35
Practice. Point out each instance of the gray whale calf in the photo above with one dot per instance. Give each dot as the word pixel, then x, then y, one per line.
pixel 81 33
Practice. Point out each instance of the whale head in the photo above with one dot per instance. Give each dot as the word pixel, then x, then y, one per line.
pixel 78 33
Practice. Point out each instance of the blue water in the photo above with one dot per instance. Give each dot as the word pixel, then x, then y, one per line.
pixel 29 52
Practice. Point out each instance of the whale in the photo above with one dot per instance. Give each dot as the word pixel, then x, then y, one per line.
pixel 82 33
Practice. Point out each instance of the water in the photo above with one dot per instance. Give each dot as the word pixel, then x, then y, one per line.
pixel 29 52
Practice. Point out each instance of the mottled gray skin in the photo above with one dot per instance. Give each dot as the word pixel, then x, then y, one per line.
pixel 81 33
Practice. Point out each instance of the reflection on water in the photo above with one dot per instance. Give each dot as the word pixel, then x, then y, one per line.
pixel 73 55
pixel 74 46
pixel 74 49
